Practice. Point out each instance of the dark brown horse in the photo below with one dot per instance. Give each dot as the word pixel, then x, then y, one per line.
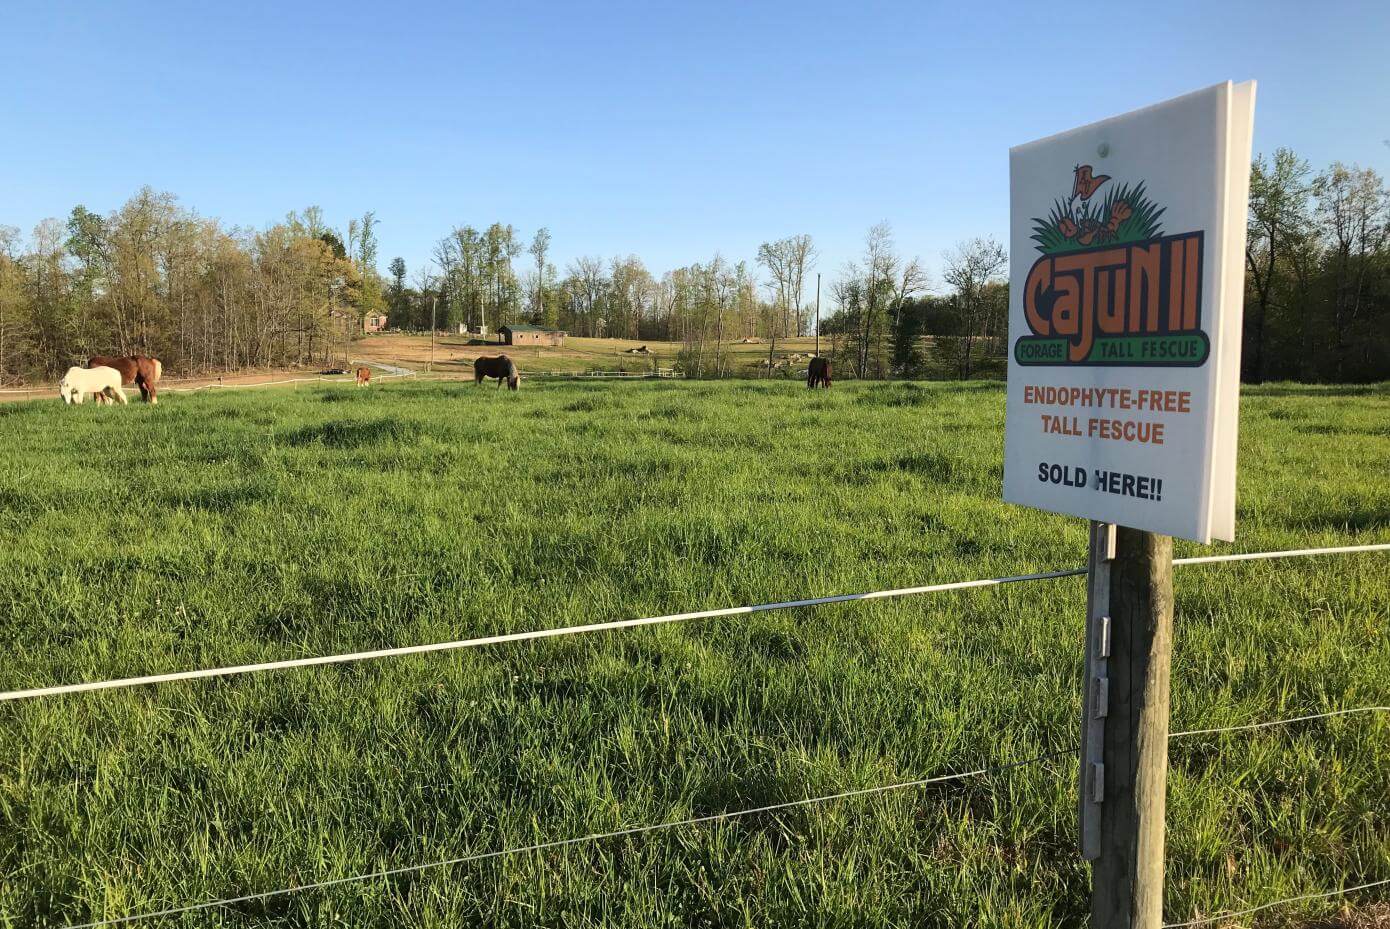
pixel 498 366
pixel 818 374
pixel 140 370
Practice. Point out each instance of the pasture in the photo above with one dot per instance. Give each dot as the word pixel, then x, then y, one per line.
pixel 253 525
pixel 455 354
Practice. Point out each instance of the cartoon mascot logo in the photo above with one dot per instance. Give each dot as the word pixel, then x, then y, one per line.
pixel 1111 288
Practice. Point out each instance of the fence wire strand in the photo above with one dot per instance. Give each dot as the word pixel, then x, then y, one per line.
pixel 1203 920
pixel 283 664
pixel 578 840
pixel 219 385
pixel 717 817
pixel 512 637
pixel 1243 727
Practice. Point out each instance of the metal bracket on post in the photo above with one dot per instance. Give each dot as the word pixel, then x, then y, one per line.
pixel 1096 704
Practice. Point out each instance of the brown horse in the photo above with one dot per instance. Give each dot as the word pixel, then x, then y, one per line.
pixel 140 370
pixel 498 366
pixel 818 374
pixel 364 377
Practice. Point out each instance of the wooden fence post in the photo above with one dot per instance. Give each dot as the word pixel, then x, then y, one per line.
pixel 1127 873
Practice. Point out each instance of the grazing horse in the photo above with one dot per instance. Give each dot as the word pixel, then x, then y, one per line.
pixel 498 366
pixel 818 374
pixel 364 377
pixel 100 381
pixel 140 370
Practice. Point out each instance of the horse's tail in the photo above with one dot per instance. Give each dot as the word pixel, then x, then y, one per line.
pixel 158 369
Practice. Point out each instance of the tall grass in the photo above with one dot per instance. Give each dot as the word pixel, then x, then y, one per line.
pixel 259 525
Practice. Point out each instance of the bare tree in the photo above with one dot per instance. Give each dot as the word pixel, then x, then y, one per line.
pixel 787 261
pixel 1278 224
pixel 870 295
pixel 1354 210
pixel 970 268
pixel 592 284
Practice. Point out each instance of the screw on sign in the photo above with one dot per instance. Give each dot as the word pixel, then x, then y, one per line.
pixel 1127 250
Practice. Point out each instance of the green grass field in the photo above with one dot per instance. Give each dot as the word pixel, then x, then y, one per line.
pixel 253 525
pixel 453 356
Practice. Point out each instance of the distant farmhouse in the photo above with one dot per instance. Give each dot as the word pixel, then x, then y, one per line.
pixel 374 322
pixel 531 335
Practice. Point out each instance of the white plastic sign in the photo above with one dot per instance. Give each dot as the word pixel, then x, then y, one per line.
pixel 1127 261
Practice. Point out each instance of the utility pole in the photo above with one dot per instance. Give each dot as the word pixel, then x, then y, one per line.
pixel 434 304
pixel 1129 646
pixel 817 315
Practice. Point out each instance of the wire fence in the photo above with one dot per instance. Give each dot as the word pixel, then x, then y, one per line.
pixel 712 818
pixel 217 382
pixel 119 683
pixel 662 373
pixel 399 651
pixel 316 379
pixel 220 384
pixel 1232 914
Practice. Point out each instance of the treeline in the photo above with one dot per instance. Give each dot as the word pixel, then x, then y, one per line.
pixel 154 277
pixel 490 277
pixel 1317 290
pixel 885 324
pixel 1317 283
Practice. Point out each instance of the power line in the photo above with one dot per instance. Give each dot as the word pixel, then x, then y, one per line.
pixel 563 843
pixel 284 664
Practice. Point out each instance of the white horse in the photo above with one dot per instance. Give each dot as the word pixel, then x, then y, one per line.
pixel 102 382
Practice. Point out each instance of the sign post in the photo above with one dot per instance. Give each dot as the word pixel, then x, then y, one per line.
pixel 1126 285
pixel 1127 869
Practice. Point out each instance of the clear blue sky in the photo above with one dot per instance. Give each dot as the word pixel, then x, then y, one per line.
pixel 666 130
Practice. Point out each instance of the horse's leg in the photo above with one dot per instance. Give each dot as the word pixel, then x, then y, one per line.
pixel 146 381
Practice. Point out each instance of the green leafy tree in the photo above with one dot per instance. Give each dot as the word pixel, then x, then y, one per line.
pixel 370 299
